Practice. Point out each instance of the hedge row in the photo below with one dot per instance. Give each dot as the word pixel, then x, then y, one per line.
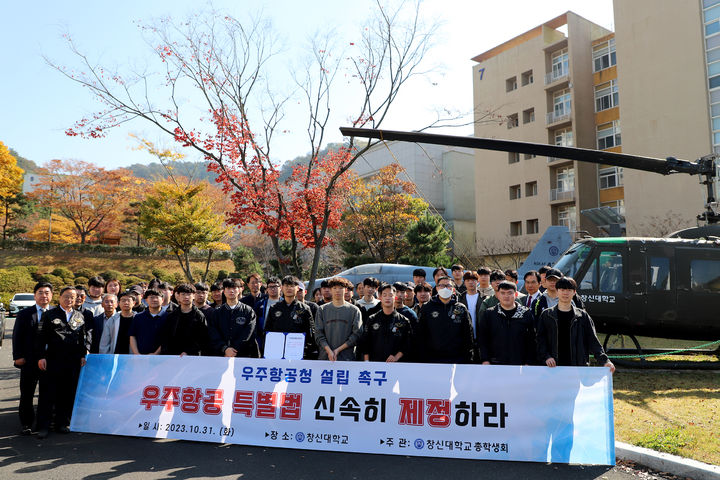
pixel 100 248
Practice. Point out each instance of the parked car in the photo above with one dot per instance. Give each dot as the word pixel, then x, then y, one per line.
pixel 385 272
pixel 20 301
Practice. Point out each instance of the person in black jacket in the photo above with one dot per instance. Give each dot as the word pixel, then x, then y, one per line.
pixel 386 334
pixel 23 345
pixel 506 335
pixel 445 332
pixel 62 344
pixel 232 326
pixel 292 316
pixel 566 334
pixel 185 331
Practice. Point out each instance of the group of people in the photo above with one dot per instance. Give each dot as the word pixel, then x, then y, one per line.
pixel 467 317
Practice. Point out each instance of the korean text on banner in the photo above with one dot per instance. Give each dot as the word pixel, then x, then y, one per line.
pixel 537 414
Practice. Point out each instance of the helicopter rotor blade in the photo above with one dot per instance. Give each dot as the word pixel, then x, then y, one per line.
pixel 649 164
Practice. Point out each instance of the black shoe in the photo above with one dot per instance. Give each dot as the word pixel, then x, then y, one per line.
pixel 42 433
pixel 63 429
pixel 26 430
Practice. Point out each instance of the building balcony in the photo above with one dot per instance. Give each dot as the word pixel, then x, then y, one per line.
pixel 558 160
pixel 556 76
pixel 557 194
pixel 554 118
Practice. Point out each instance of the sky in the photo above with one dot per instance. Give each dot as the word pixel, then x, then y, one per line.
pixel 38 104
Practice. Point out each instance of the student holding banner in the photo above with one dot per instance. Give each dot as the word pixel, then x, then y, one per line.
pixel 292 316
pixel 232 326
pixel 566 334
pixel 386 334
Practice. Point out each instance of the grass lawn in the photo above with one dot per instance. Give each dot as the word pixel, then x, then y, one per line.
pixel 670 411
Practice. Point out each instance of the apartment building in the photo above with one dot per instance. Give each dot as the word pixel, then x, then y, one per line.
pixel 571 82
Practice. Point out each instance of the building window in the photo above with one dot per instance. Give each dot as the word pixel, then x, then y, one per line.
pixel 530 189
pixel 559 64
pixel 512 121
pixel 604 55
pixel 606 96
pixel 532 226
pixel 528 156
pixel 561 106
pixel 526 78
pixel 617 205
pixel 513 157
pixel 515 192
pixel 564 138
pixel 565 179
pixel 529 115
pixel 511 84
pixel 608 135
pixel 566 217
pixel 610 177
pixel 515 229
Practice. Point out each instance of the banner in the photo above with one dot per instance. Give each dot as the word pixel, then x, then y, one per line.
pixel 536 414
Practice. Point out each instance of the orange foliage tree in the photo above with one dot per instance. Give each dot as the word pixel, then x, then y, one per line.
pixel 89 196
pixel 226 62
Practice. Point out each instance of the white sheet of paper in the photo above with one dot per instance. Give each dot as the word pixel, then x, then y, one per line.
pixel 294 346
pixel 274 345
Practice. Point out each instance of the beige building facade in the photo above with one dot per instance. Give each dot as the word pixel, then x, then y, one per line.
pixel 574 83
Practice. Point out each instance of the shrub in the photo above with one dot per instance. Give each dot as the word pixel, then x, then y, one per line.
pixel 222 275
pixel 178 278
pixel 130 280
pixel 65 273
pixel 108 274
pixel 54 280
pixel 162 274
pixel 81 280
pixel 13 280
pixel 85 272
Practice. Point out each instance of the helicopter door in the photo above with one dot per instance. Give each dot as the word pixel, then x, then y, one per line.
pixel 661 287
pixel 698 293
pixel 601 288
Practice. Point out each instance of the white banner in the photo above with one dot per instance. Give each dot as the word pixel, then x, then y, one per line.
pixel 539 414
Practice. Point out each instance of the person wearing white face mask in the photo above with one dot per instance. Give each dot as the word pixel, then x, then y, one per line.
pixel 445 332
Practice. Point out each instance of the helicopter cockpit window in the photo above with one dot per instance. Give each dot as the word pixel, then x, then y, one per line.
pixel 659 274
pixel 573 259
pixel 605 273
pixel 705 275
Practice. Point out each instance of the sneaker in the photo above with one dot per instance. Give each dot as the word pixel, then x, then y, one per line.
pixel 42 433
pixel 63 429
pixel 26 430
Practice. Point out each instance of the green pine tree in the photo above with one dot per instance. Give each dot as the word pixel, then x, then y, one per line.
pixel 428 241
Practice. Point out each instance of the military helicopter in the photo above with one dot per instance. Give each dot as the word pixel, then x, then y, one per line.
pixel 656 287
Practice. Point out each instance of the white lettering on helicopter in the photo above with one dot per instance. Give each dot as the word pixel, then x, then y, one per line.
pixel 598 298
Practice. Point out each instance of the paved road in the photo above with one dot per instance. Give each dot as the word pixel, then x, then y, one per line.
pixel 78 455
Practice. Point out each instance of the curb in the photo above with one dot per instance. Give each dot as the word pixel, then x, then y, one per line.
pixel 664 462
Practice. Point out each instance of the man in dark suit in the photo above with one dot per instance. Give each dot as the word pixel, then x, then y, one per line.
pixel 62 344
pixel 23 343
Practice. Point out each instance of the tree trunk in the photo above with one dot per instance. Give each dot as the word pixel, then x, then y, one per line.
pixel 279 255
pixel 207 265
pixel 6 220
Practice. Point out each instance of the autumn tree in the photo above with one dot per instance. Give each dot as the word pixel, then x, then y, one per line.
pixel 225 60
pixel 11 179
pixel 180 217
pixel 379 213
pixel 428 241
pixel 89 196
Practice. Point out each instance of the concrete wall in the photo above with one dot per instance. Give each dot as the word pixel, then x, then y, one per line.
pixel 663 104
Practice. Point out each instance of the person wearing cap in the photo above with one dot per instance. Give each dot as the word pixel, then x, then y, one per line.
pixel 401 292
pixel 301 292
pixel 566 334
pixel 137 292
pixel 506 332
pixel 457 272
pixel 549 297
pixel 410 295
pixel 291 315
